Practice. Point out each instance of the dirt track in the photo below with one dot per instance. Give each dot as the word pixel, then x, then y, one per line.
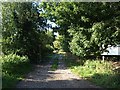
pixel 43 77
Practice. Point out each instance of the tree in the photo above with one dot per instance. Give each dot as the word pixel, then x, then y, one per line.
pixel 59 42
pixel 23 30
pixel 88 26
pixel 54 12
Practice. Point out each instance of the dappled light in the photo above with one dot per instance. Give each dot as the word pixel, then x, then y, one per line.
pixel 45 77
pixel 60 45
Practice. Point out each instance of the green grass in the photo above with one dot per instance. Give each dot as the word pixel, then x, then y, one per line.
pixel 14 68
pixel 54 65
pixel 54 62
pixel 97 71
pixel 0 39
pixel 92 67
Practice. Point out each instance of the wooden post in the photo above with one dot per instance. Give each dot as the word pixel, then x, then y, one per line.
pixel 103 58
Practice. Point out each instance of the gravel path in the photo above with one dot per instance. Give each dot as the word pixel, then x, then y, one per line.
pixel 43 77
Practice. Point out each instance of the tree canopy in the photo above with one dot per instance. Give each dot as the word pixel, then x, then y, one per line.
pixel 84 28
pixel 89 27
pixel 24 31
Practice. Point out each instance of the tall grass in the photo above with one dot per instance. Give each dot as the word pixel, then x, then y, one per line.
pixel 92 67
pixel 14 68
pixel 97 71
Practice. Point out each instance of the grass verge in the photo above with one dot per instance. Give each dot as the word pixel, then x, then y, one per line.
pixel 97 71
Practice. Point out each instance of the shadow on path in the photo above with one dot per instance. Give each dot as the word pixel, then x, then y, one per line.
pixel 44 77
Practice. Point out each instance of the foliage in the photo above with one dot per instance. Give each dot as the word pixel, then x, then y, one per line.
pixel 80 43
pixel 89 38
pixel 85 25
pixel 49 37
pixel 11 69
pixel 97 71
pixel 98 66
pixel 47 42
pixel 53 11
pixel 54 65
pixel 57 43
pixel 24 32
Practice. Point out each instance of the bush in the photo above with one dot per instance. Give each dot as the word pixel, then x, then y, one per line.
pixel 60 43
pixel 14 68
pixel 12 60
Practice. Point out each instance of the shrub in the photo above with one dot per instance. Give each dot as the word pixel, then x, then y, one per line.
pixel 13 69
pixel 12 60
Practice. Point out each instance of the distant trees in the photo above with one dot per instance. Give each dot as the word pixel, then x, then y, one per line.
pixel 86 26
pixel 24 31
pixel 59 42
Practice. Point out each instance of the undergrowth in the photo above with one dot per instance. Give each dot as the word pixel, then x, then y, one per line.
pixel 54 64
pixel 97 71
pixel 14 68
